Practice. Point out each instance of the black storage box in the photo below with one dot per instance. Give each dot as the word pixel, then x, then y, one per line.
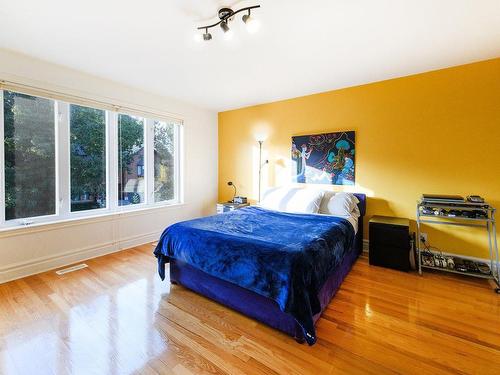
pixel 390 242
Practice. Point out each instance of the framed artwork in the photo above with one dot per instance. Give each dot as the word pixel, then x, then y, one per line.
pixel 327 158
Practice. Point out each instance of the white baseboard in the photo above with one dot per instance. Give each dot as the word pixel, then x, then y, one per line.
pixel 43 264
pixel 366 246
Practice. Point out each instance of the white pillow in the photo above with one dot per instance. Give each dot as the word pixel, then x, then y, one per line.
pixel 343 204
pixel 305 201
pixel 292 199
pixel 273 198
pixel 323 207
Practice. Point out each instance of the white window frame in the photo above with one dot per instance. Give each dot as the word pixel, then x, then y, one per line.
pixel 132 207
pixel 63 166
pixel 4 223
pixel 67 168
pixel 149 161
pixel 112 164
pixel 178 126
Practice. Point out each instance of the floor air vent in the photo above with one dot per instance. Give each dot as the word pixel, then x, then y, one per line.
pixel 71 269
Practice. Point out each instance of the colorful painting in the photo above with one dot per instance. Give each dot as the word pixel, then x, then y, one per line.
pixel 324 158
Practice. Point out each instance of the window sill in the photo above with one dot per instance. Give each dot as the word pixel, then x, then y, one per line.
pixel 69 222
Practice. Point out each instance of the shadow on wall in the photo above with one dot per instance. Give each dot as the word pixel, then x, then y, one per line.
pixel 375 206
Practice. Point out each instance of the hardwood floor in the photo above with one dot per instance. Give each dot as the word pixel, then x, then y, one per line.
pixel 117 317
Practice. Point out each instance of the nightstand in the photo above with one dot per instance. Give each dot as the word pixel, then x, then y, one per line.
pixel 390 242
pixel 228 206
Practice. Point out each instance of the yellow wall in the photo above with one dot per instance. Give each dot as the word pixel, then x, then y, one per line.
pixel 437 132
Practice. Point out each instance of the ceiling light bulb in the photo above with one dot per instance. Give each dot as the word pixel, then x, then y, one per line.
pixel 228 35
pixel 224 26
pixel 198 37
pixel 207 36
pixel 252 24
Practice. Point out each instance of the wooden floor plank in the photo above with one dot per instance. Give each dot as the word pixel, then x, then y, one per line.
pixel 117 317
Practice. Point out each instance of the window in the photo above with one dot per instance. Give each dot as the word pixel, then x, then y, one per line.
pixel 60 160
pixel 164 166
pixel 87 158
pixel 29 156
pixel 131 186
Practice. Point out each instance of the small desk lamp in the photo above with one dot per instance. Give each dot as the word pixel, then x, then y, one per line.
pixel 230 183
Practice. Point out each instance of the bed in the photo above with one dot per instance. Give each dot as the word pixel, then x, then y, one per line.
pixel 279 268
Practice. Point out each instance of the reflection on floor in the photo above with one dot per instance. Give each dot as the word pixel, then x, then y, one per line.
pixel 117 317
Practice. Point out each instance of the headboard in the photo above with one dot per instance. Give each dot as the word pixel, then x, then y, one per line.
pixel 362 203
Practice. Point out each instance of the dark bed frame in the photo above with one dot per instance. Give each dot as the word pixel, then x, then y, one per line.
pixel 259 307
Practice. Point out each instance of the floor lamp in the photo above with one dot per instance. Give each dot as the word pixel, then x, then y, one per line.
pixel 261 165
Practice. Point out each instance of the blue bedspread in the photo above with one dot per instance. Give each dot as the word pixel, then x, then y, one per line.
pixel 282 256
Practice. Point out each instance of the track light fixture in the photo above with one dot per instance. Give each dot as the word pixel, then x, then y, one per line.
pixel 226 15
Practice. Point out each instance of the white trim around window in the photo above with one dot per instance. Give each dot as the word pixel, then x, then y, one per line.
pixel 63 168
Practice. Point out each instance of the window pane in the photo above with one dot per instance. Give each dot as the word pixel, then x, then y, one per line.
pixel 164 161
pixel 87 158
pixel 30 173
pixel 131 186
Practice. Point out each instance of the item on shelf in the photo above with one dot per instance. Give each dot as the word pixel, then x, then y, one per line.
pixel 442 198
pixel 483 268
pixel 459 264
pixel 471 266
pixel 432 259
pixel 457 212
pixel 439 212
pixel 440 261
pixel 454 213
pixel 427 210
pixel 450 264
pixel 469 214
pixel 428 259
pixel 479 214
pixel 475 199
pixel 468 266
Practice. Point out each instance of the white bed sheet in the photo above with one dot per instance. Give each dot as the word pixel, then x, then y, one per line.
pixel 353 219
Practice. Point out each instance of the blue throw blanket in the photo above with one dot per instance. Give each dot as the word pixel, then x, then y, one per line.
pixel 283 256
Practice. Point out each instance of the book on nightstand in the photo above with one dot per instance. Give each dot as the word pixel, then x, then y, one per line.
pixel 229 206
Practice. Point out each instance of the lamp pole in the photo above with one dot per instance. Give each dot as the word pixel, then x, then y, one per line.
pixel 260 165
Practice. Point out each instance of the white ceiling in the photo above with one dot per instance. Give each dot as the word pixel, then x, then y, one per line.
pixel 303 46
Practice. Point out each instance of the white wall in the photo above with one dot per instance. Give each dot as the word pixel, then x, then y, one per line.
pixel 35 249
